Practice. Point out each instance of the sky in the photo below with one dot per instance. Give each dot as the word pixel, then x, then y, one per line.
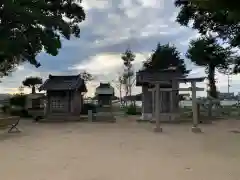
pixel 111 26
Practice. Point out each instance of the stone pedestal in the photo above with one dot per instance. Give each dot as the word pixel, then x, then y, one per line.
pixel 196 129
pixel 158 129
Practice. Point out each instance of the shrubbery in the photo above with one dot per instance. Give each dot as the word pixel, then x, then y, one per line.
pixel 132 110
pixel 15 111
pixel 88 106
pixel 16 106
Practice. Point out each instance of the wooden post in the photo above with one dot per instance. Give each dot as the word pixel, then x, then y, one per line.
pixel 153 104
pixel 172 101
pixel 195 127
pixel 173 96
pixel 49 104
pixel 157 108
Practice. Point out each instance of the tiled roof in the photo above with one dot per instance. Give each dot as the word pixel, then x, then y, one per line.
pixel 170 69
pixel 64 83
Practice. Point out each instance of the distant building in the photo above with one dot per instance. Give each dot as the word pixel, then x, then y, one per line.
pixel 226 95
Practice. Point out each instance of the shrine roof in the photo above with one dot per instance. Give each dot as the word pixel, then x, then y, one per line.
pixel 170 69
pixel 104 88
pixel 189 79
pixel 55 83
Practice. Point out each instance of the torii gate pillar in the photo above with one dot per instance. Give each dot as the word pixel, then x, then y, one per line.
pixel 195 127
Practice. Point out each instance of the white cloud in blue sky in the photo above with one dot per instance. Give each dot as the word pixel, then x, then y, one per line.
pixel 110 27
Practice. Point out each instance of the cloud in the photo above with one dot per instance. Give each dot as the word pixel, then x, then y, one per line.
pixel 107 68
pixel 110 27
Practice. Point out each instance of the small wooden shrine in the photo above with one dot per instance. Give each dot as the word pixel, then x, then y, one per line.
pixel 64 96
pixel 160 95
pixel 104 95
pixel 169 100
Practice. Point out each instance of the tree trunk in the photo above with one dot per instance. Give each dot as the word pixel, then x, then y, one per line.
pixel 126 94
pixel 212 87
pixel 120 94
pixel 33 90
pixel 130 90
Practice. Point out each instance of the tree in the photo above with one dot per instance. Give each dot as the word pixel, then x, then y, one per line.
pixel 128 76
pixel 119 82
pixel 18 100
pixel 27 27
pixel 32 82
pixel 220 18
pixel 165 56
pixel 206 52
pixel 86 76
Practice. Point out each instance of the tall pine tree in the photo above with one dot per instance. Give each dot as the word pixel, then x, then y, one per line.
pixel 164 57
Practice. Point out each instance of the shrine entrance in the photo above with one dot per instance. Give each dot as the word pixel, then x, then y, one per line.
pixel 160 101
pixel 159 107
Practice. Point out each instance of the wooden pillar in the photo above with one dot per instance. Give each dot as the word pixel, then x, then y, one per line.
pixel 146 104
pixel 195 127
pixel 157 108
pixel 48 111
pixel 174 96
pixel 153 104
pixel 69 101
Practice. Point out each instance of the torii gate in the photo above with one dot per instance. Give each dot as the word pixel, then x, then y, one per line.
pixel 193 89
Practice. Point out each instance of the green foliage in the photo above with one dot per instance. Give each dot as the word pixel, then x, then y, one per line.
pixel 18 100
pixel 128 57
pixel 17 106
pixel 32 82
pixel 29 26
pixel 165 56
pixel 206 52
pixel 218 17
pixel 86 76
pixel 127 78
pixel 132 110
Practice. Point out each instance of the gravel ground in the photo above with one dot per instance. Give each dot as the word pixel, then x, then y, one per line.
pixel 120 151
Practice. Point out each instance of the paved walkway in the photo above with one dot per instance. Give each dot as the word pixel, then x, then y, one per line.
pixel 120 151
